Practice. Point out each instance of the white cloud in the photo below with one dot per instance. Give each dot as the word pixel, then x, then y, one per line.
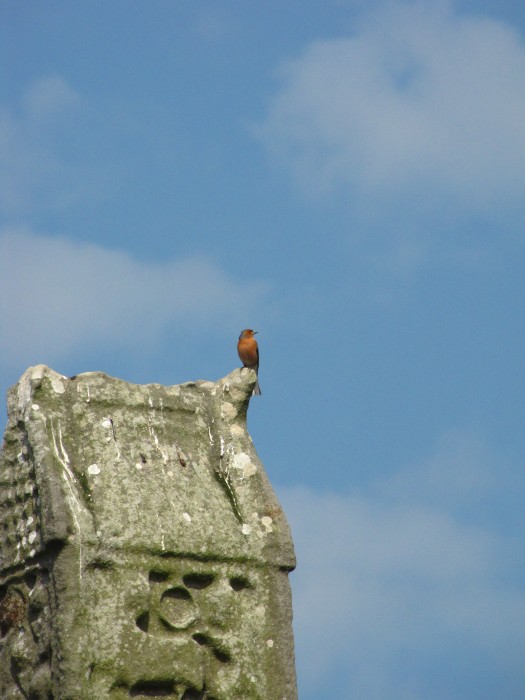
pixel 216 24
pixel 29 161
pixel 419 101
pixel 47 97
pixel 392 589
pixel 57 295
pixel 460 471
pixel 55 149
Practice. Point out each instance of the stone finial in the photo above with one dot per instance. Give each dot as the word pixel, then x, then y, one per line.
pixel 143 552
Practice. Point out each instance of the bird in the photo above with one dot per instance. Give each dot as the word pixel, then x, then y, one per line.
pixel 249 353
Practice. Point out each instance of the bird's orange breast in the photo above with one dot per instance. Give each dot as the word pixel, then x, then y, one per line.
pixel 248 352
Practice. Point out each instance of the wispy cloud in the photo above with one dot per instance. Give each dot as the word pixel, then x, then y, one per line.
pixel 394 591
pixel 57 149
pixel 30 159
pixel 420 101
pixel 214 23
pixel 47 98
pixel 57 295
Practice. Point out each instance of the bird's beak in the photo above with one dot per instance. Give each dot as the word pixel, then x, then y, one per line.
pixel 255 332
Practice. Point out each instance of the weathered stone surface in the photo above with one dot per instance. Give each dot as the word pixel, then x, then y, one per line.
pixel 143 552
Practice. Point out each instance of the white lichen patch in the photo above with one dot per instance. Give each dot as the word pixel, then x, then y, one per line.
pixel 237 430
pixel 58 386
pixel 267 523
pixel 250 469
pixel 35 407
pixel 187 517
pixel 228 410
pixel 37 372
pixel 107 423
pixel 269 643
pixel 243 462
pixel 32 537
pixel 93 469
pixel 138 465
pixel 246 529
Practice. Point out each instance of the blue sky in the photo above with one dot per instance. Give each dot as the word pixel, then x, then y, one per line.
pixel 348 178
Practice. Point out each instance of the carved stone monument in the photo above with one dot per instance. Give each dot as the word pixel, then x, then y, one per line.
pixel 143 552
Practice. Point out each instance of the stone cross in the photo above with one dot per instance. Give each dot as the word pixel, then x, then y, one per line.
pixel 143 552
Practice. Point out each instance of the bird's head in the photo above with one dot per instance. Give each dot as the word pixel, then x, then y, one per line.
pixel 247 333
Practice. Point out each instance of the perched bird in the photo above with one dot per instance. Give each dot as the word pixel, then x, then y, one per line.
pixel 249 353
